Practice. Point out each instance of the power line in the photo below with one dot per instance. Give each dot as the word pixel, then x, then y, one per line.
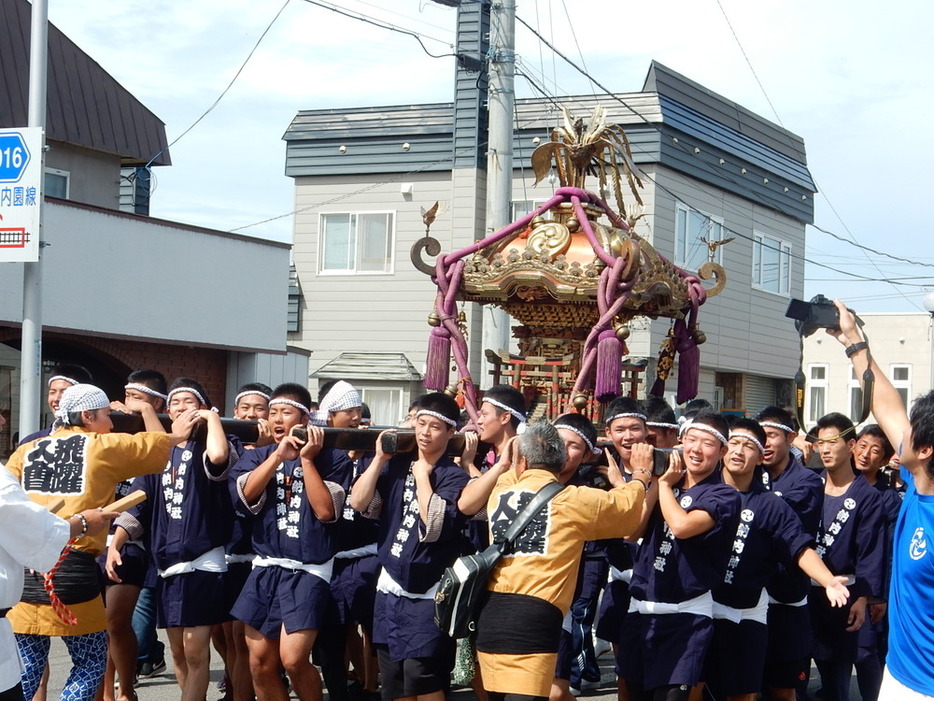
pixel 225 90
pixel 385 25
pixel 658 129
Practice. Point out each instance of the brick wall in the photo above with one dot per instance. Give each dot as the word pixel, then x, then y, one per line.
pixel 112 360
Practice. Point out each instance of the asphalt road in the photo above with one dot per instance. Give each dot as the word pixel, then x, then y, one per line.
pixel 163 687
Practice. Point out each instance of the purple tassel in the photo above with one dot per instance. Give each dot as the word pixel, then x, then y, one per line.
pixel 688 363
pixel 658 387
pixel 609 366
pixel 439 359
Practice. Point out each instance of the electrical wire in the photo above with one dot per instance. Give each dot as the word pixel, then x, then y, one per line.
pixel 852 240
pixel 657 128
pixel 385 25
pixel 225 90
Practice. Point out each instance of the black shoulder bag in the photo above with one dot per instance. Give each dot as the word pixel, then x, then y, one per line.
pixel 463 584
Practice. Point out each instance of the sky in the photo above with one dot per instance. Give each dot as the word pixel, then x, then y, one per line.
pixel 853 78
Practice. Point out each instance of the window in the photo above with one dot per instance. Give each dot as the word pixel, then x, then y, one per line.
pixel 901 380
pixel 693 231
pixel 771 264
pixel 522 207
pixel 856 395
pixel 356 242
pixel 817 392
pixel 385 405
pixel 56 183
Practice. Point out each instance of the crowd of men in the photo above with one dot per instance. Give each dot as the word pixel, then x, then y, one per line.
pixel 717 556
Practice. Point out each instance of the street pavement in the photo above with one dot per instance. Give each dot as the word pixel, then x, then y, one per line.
pixel 162 687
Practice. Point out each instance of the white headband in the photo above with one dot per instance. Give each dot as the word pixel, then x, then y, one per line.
pixel 748 436
pixel 146 390
pixel 78 398
pixel 776 424
pixel 437 415
pixel 661 424
pixel 290 402
pixel 248 393
pixel 595 451
pixel 186 389
pixel 704 427
pixel 515 412
pixel 62 377
pixel 626 415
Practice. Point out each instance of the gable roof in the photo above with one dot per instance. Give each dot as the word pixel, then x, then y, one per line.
pixel 85 106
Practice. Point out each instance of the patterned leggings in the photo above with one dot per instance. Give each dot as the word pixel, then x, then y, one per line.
pixel 88 661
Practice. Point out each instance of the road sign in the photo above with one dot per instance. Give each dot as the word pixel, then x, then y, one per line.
pixel 20 194
pixel 14 156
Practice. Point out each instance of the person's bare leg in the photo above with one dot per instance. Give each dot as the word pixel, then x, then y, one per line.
pixel 370 663
pixel 197 643
pixel 239 661
pixel 264 666
pixel 122 649
pixel 560 690
pixel 177 648
pixel 295 653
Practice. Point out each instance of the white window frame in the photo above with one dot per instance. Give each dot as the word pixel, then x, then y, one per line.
pixel 680 245
pixel 399 410
pixel 902 384
pixel 813 384
pixel 353 215
pixel 530 205
pixel 63 174
pixel 761 240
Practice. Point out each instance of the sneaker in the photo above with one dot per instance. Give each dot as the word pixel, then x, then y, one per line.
pixel 601 646
pixel 150 669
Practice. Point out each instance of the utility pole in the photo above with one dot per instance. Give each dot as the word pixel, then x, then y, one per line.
pixel 502 100
pixel 30 372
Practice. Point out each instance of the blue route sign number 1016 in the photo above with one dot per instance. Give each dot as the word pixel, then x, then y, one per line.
pixel 14 157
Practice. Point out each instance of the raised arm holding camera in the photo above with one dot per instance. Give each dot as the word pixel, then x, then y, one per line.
pixel 911 592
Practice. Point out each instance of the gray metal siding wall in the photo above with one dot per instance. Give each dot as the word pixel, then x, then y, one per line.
pixel 386 155
pixel 705 166
pixel 471 117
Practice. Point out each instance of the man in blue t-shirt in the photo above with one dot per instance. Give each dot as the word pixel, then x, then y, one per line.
pixel 908 674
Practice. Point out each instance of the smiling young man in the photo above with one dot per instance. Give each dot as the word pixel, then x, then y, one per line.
pixel 293 489
pixel 768 533
pixel 415 498
pixel 850 542
pixel 688 528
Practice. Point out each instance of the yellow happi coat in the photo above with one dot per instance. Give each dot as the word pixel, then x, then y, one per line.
pixel 83 468
pixel 575 515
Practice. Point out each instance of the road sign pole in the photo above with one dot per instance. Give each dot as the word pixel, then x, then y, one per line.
pixel 31 349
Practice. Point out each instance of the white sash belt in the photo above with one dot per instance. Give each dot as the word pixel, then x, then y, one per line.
pixel 758 613
pixel 699 606
pixel 353 554
pixel 238 558
pixel 323 570
pixel 796 604
pixel 388 585
pixel 211 561
pixel 620 575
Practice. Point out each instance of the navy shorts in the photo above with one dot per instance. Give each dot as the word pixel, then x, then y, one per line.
pixel 353 586
pixel 273 597
pixel 192 599
pixel 737 657
pixel 133 569
pixel 664 649
pixel 613 611
pixel 413 676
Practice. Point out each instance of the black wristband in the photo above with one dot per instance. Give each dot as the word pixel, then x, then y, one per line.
pixel 856 348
